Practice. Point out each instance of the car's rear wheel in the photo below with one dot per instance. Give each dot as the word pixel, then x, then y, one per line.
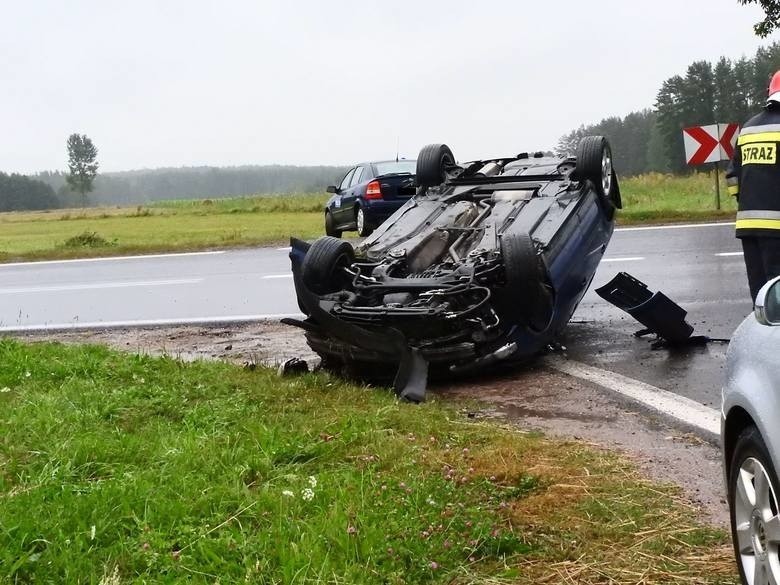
pixel 321 269
pixel 432 164
pixel 755 524
pixel 330 226
pixel 363 227
pixel 594 163
pixel 525 297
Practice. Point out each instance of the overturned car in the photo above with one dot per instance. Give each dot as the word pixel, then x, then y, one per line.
pixel 485 264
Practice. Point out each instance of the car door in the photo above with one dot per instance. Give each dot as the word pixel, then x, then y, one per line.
pixel 350 198
pixel 342 214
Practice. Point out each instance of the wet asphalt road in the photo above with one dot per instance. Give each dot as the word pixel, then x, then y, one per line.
pixel 699 267
pixel 702 270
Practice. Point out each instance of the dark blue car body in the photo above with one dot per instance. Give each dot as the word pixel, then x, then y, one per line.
pixel 367 195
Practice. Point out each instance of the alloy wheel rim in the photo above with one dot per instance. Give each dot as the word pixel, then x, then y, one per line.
pixel 606 171
pixel 757 524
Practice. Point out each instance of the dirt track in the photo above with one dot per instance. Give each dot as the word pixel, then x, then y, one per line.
pixel 533 397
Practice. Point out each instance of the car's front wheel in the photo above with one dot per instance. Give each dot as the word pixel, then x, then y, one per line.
pixel 330 226
pixel 321 269
pixel 363 227
pixel 755 524
pixel 525 297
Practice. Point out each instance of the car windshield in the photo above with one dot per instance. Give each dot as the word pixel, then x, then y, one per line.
pixel 401 167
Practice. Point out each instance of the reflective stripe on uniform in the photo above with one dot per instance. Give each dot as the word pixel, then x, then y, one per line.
pixel 733 189
pixel 759 129
pixel 758 224
pixel 758 137
pixel 758 214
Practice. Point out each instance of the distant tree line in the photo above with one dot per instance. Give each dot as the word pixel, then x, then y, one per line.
pixel 143 186
pixel 18 193
pixel 651 140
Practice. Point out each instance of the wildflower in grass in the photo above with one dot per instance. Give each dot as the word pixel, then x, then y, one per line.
pixel 288 493
pixel 351 529
pixel 430 501
pixel 27 374
pixel 307 495
pixel 312 481
pixel 434 565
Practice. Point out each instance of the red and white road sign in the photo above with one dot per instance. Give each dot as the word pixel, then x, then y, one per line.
pixel 708 144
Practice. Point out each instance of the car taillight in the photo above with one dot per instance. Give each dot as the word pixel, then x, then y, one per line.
pixel 373 190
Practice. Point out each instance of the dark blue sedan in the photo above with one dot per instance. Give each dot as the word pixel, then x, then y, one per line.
pixel 368 194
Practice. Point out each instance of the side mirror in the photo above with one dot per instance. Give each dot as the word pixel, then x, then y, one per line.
pixel 332 189
pixel 767 308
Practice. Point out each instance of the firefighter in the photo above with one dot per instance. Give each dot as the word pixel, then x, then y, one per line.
pixel 753 177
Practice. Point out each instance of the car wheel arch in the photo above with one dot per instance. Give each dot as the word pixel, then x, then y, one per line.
pixel 737 420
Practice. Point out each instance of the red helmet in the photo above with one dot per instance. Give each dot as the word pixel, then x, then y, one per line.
pixel 774 88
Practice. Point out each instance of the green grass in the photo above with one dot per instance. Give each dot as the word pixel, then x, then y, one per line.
pixel 171 226
pixel 129 469
pixel 166 226
pixel 666 198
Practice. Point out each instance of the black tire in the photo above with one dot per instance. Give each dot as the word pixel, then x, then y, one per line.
pixel 432 163
pixel 330 226
pixel 617 199
pixel 594 164
pixel 363 228
pixel 320 268
pixel 749 446
pixel 525 298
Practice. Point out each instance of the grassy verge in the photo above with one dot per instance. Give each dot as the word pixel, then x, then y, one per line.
pixel 171 226
pixel 657 198
pixel 117 468
pixel 166 227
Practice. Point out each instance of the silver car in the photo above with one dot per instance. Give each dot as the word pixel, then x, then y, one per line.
pixel 750 439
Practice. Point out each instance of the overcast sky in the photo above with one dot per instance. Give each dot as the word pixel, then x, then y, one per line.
pixel 195 82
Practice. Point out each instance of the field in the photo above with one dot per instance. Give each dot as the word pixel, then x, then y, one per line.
pixel 117 468
pixel 248 221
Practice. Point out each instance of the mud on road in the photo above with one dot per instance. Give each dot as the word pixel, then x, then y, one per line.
pixel 531 398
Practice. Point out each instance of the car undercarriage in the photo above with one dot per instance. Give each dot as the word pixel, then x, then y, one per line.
pixel 475 269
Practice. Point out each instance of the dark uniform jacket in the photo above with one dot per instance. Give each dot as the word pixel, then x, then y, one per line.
pixel 754 175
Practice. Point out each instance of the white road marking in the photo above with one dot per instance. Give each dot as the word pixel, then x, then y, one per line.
pixel 675 226
pixel 148 322
pixel 626 259
pixel 112 258
pixel 723 254
pixel 288 275
pixel 96 285
pixel 679 407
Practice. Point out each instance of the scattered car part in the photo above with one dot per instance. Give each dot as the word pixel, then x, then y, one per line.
pixel 658 313
pixel 292 366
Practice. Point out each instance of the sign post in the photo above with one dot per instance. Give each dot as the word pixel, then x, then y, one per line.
pixel 710 144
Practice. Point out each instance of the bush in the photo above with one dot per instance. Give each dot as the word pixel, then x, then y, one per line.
pixel 88 239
